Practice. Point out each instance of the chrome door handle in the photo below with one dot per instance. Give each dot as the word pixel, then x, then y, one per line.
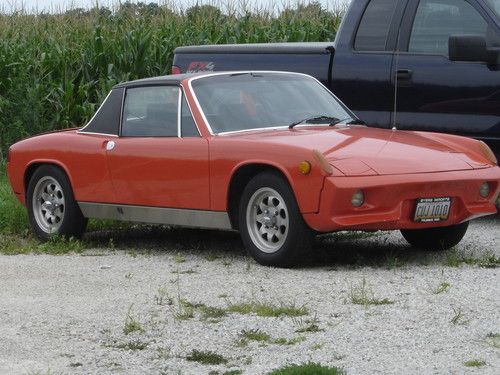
pixel 110 145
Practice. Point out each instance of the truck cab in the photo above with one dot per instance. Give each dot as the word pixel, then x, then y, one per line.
pixel 429 65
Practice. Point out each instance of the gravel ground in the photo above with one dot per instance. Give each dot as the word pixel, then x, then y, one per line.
pixel 66 314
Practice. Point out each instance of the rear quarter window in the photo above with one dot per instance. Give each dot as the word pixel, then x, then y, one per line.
pixel 107 118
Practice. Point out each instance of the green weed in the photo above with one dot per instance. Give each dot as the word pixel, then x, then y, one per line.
pixel 206 357
pixel 493 339
pixel 131 323
pixel 457 258
pixel 363 295
pixel 474 363
pixel 309 368
pixel 441 288
pixel 255 335
pixel 268 309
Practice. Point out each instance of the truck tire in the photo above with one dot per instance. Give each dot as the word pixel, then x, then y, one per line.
pixel 440 238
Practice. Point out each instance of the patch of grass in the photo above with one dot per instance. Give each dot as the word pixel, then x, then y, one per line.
pixel 212 257
pixel 350 235
pixel 162 297
pixel 131 345
pixel 255 335
pixel 191 305
pixel 285 341
pixel 458 317
pixel 309 368
pixel 41 372
pixel 493 339
pixel 131 323
pixel 206 357
pixel 56 245
pixel 184 314
pixel 317 346
pixel 210 312
pixel 13 215
pixel 178 258
pixel 457 258
pixel 268 309
pixel 309 325
pixel 474 363
pixel 185 272
pixel 392 261
pixel 441 288
pixel 61 245
pixel 362 295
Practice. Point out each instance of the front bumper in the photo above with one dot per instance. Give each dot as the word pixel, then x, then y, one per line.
pixel 390 200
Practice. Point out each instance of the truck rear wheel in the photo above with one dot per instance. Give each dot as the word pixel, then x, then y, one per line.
pixel 440 238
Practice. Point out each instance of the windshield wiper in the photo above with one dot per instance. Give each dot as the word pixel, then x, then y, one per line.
pixel 316 119
pixel 356 121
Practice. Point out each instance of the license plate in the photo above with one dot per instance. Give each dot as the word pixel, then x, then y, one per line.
pixel 432 209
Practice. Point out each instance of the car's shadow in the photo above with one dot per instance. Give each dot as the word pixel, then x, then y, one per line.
pixel 335 250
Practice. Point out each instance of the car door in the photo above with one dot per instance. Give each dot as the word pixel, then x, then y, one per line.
pixel 91 177
pixel 435 93
pixel 361 75
pixel 160 159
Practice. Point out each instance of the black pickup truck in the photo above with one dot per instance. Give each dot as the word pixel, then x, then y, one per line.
pixel 436 61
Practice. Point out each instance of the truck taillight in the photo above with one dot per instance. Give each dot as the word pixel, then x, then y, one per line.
pixel 176 70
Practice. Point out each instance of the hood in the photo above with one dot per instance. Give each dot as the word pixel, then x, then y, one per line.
pixel 359 150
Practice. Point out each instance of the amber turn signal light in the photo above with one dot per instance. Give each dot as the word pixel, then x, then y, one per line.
pixel 304 167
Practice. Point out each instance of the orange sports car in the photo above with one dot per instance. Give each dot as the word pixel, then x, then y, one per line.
pixel 272 154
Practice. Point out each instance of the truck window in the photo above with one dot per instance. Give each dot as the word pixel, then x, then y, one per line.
pixel 495 5
pixel 436 20
pixel 374 26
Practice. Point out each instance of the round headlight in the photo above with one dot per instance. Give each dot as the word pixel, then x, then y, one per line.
pixel 484 190
pixel 358 198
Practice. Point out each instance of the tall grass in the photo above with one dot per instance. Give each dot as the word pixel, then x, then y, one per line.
pixel 56 68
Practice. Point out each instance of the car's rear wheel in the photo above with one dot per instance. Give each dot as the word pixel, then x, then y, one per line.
pixel 440 238
pixel 52 209
pixel 271 225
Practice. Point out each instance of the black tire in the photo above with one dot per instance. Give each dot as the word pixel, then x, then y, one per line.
pixel 440 238
pixel 292 237
pixel 58 213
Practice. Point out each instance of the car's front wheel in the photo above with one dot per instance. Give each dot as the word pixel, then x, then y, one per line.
pixel 52 209
pixel 271 225
pixel 440 238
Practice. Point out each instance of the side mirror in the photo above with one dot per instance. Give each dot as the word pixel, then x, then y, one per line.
pixel 471 48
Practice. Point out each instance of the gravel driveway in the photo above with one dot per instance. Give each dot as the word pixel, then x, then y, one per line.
pixel 144 303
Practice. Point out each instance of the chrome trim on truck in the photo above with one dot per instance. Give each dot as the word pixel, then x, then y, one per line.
pixel 157 215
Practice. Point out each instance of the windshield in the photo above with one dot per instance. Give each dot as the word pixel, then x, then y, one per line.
pixel 495 4
pixel 243 101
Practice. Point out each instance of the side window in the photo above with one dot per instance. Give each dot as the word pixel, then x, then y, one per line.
pixel 374 26
pixel 151 112
pixel 188 127
pixel 436 20
pixel 107 118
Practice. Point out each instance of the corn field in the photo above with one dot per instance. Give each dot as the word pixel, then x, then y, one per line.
pixel 56 68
